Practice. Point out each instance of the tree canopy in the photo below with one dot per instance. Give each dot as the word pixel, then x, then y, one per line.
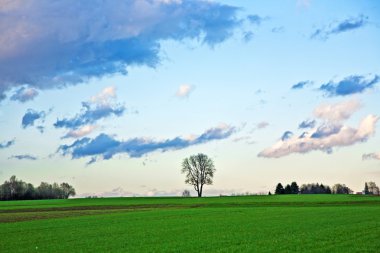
pixel 15 189
pixel 199 171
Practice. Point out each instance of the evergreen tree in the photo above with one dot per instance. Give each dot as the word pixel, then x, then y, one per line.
pixel 366 191
pixel 279 189
pixel 294 188
pixel 287 189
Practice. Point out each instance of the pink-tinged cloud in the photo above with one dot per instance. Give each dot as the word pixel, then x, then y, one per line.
pixel 326 141
pixel 337 112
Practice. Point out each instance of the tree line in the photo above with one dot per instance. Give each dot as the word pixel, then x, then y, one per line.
pixel 15 189
pixel 370 188
pixel 199 171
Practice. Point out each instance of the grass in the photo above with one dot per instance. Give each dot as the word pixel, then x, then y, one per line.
pixel 290 223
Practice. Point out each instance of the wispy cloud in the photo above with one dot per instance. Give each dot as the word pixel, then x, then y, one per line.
pixel 262 125
pixel 346 25
pixel 23 157
pixel 301 85
pixel 99 107
pixel 24 94
pixel 106 39
pixel 349 85
pixel 329 134
pixel 7 144
pixel 278 29
pixel 105 146
pixel 184 90
pixel 371 156
pixel 255 19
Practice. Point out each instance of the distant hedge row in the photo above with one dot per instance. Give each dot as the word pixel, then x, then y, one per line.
pixel 370 188
pixel 15 189
pixel 317 188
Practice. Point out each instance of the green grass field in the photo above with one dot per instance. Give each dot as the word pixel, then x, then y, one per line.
pixel 287 223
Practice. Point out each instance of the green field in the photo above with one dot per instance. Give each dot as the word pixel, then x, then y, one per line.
pixel 286 223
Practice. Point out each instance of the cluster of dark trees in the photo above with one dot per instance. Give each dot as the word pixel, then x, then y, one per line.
pixel 14 189
pixel 312 189
pixel 315 189
pixel 289 189
pixel 370 188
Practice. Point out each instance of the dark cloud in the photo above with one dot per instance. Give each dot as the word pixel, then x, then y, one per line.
pixel 23 157
pixel 349 85
pixel 24 94
pixel 340 27
pixel 301 85
pixel 287 135
pixel 325 131
pixel 31 116
pixel 307 124
pixel 50 44
pixel 90 114
pixel 105 146
pixel 7 144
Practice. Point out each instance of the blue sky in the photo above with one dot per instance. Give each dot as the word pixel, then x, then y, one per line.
pixel 112 96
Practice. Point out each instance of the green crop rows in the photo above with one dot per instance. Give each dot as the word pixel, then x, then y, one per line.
pixel 288 223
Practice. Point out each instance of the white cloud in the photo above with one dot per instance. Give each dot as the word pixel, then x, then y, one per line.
pixel 104 96
pixel 337 112
pixel 83 131
pixel 344 136
pixel 184 90
pixel 331 133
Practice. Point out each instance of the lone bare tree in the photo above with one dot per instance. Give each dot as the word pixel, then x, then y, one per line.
pixel 199 170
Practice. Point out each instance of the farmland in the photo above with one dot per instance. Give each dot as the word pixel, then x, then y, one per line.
pixel 301 223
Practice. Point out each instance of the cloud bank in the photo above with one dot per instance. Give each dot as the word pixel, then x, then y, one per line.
pixel 50 44
pixel 324 141
pixel 329 134
pixel 105 146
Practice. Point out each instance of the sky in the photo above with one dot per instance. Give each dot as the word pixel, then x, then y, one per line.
pixel 111 96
